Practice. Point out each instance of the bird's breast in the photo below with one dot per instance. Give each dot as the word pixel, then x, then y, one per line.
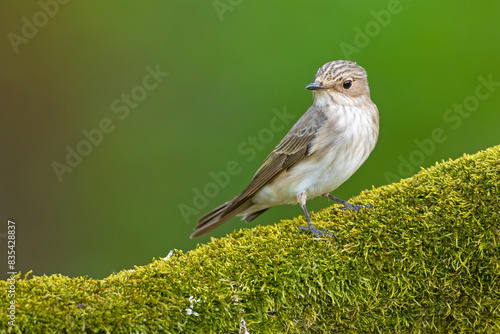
pixel 340 148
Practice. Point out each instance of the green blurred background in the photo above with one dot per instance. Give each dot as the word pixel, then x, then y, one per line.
pixel 230 64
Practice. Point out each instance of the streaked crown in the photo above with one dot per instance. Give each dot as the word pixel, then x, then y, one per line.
pixel 342 76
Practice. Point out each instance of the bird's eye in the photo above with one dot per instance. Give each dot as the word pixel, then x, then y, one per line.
pixel 347 84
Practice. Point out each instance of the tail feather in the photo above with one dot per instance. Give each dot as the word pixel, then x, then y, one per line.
pixel 219 216
pixel 217 212
pixel 252 216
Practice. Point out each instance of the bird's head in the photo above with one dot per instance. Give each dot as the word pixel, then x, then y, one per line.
pixel 340 80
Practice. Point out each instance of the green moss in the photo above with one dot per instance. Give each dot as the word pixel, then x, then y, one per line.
pixel 426 260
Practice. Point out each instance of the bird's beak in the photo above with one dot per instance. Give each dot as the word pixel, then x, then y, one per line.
pixel 315 86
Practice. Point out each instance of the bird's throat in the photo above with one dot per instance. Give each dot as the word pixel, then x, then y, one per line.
pixel 325 98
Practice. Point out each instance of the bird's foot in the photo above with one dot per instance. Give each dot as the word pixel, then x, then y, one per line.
pixel 349 206
pixel 318 233
pixel 346 205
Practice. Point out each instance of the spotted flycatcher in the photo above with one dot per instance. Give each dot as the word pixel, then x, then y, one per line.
pixel 319 153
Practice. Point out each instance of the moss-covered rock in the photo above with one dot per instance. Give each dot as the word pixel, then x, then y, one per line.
pixel 426 260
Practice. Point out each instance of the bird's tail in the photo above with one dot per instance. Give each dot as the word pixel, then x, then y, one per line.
pixel 215 218
pixel 223 213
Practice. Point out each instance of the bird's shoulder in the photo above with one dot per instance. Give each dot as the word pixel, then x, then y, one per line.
pixel 300 137
pixel 294 147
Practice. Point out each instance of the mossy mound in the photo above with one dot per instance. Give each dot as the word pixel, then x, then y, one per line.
pixel 426 260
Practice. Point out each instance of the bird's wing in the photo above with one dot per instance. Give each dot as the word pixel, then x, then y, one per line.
pixel 295 146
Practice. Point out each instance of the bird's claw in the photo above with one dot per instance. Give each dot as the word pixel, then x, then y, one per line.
pixel 349 206
pixel 318 233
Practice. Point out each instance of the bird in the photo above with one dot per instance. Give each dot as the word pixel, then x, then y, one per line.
pixel 328 143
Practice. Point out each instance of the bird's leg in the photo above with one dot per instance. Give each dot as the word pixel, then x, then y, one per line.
pixel 346 204
pixel 318 233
